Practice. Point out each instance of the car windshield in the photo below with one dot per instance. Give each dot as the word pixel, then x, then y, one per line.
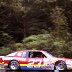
pixel 48 55
pixel 12 54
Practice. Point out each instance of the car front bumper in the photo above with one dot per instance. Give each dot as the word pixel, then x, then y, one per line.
pixel 2 66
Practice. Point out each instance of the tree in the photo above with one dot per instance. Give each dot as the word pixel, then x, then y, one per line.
pixel 61 29
pixel 5 39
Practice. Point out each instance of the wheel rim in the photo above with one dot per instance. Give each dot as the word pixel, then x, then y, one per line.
pixel 60 66
pixel 14 65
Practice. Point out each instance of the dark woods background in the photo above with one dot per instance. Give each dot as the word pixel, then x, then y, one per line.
pixel 36 24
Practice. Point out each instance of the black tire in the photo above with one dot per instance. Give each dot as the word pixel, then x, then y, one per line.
pixel 60 65
pixel 14 65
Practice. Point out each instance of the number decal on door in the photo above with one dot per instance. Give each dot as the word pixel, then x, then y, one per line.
pixel 34 63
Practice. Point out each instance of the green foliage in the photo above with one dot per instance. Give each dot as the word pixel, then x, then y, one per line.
pixel 36 24
pixel 5 51
pixel 40 41
pixel 60 23
pixel 5 39
pixel 19 46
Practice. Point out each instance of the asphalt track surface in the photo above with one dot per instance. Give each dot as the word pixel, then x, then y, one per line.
pixel 35 71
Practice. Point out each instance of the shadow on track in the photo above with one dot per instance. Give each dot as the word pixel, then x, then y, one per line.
pixel 35 71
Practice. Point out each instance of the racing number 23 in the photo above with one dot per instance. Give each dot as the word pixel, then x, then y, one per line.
pixel 35 62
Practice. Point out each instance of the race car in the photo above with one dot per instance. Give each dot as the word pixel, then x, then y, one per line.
pixel 35 60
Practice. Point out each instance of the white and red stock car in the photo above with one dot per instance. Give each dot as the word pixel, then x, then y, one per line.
pixel 35 60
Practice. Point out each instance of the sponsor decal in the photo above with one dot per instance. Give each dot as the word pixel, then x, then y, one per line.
pixel 14 58
pixel 36 63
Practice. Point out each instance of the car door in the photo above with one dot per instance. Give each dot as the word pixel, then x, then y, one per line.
pixel 34 62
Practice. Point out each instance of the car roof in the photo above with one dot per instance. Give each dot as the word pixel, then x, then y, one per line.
pixel 24 51
pixel 31 51
pixel 34 50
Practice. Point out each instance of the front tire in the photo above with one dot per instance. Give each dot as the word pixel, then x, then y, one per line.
pixel 61 65
pixel 14 65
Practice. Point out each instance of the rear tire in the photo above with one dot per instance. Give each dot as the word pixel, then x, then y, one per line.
pixel 14 65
